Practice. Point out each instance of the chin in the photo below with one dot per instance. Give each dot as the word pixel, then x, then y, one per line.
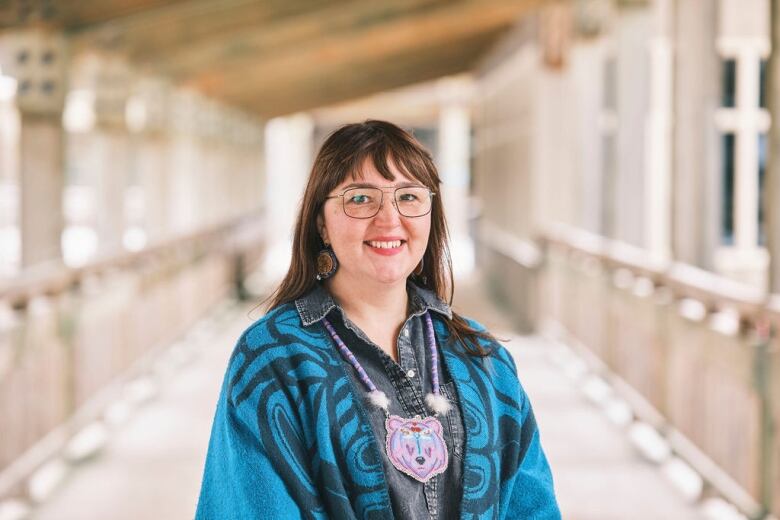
pixel 390 278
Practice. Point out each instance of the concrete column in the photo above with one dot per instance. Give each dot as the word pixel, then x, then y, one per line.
pixel 227 175
pixel 184 160
pixel 587 61
pixel 249 147
pixel 206 178
pixel 253 165
pixel 151 164
pixel 38 60
pixel 180 202
pixel 113 148
pixel 556 182
pixel 213 176
pixel 696 161
pixel 257 165
pixel 148 117
pixel 633 27
pixel 223 178
pixel 239 190
pixel 107 158
pixel 454 158
pixel 289 155
pixel 658 137
pixel 555 179
pixel 204 187
pixel 9 178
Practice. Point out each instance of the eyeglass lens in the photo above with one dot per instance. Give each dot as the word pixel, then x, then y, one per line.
pixel 413 201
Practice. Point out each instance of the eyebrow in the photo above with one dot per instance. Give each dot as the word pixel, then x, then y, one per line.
pixel 369 185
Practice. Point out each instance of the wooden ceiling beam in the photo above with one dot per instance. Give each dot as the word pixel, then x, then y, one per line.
pixel 442 26
pixel 222 50
pixel 280 56
pixel 277 36
pixel 82 14
pixel 274 98
pixel 160 31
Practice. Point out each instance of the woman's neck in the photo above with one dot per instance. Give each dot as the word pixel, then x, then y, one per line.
pixel 371 305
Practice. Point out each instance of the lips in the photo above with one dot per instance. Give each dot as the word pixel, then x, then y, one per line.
pixel 386 245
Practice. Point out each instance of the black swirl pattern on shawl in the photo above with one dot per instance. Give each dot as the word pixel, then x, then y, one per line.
pixel 319 441
pixel 496 435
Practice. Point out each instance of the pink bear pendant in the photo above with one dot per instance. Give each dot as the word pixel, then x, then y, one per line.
pixel 416 446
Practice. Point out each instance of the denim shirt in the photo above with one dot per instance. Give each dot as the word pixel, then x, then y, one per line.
pixel 405 383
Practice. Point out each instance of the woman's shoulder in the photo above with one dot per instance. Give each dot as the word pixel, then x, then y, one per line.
pixel 280 324
pixel 269 347
pixel 496 369
pixel 490 343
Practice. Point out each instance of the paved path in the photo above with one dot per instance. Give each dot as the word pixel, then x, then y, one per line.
pixel 151 467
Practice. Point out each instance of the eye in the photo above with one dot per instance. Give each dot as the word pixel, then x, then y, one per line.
pixel 359 199
pixel 407 197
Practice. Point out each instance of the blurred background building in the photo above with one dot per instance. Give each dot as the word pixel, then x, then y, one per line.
pixel 608 186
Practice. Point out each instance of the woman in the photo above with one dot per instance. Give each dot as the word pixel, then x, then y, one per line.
pixel 361 394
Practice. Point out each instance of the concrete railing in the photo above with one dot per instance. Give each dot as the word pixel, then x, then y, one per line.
pixel 67 335
pixel 695 353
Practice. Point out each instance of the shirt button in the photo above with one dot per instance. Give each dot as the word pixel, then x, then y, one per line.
pixel 406 332
pixel 410 373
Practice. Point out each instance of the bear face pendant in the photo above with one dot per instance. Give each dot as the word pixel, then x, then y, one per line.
pixel 416 446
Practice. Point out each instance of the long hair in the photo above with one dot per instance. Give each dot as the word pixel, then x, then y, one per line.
pixel 343 154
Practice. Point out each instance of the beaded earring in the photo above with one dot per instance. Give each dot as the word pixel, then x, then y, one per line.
pixel 327 263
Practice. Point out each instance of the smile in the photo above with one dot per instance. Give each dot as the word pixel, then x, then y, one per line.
pixel 385 245
pixel 385 248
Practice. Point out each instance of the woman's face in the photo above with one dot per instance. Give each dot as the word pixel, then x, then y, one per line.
pixel 368 249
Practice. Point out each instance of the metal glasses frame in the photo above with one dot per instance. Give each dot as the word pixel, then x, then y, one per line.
pixel 382 189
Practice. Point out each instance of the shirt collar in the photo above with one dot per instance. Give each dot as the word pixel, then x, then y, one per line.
pixel 317 303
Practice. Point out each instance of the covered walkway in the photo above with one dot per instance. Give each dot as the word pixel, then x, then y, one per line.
pixel 611 182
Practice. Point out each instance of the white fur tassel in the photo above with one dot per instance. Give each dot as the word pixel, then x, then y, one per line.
pixel 379 399
pixel 438 403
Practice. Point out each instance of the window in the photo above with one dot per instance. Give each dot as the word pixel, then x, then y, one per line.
pixel 762 152
pixel 742 122
pixel 727 186
pixel 729 83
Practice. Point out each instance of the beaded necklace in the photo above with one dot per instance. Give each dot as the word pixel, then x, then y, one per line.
pixel 415 446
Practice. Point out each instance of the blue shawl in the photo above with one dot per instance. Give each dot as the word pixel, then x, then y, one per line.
pixel 290 437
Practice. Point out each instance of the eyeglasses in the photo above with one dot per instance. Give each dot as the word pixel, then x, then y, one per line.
pixel 410 201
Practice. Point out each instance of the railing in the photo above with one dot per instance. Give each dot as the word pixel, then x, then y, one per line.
pixel 694 352
pixel 67 335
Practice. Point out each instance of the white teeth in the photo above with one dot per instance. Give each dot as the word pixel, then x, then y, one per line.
pixel 385 245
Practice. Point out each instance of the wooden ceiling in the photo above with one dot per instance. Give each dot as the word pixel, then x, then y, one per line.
pixel 275 57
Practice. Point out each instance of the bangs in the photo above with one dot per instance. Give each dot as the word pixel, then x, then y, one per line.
pixel 406 159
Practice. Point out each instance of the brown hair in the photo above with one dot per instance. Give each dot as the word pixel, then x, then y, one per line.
pixel 343 153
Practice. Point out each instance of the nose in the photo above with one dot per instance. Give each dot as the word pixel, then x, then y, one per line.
pixel 388 209
pixel 420 460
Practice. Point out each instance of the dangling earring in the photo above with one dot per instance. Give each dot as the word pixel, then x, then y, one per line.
pixel 327 263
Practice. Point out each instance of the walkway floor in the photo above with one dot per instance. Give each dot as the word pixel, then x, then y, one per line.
pixel 151 468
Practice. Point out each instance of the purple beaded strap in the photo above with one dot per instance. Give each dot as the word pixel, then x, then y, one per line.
pixel 349 356
pixel 434 355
